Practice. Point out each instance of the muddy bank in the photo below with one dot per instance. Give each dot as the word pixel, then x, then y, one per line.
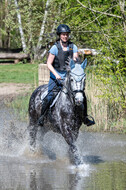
pixel 8 91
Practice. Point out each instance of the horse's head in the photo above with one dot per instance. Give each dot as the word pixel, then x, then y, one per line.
pixel 77 79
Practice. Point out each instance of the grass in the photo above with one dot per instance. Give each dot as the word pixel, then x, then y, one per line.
pixel 24 74
pixel 19 73
pixel 20 106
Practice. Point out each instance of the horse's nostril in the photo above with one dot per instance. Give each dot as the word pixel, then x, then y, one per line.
pixel 78 102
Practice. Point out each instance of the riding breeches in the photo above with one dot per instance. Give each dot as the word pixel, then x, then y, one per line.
pixel 53 88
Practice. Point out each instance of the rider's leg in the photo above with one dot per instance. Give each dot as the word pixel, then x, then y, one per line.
pixel 46 101
pixel 53 89
pixel 45 105
pixel 86 120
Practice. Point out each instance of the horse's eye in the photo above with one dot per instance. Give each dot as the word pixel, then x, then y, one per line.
pixel 71 79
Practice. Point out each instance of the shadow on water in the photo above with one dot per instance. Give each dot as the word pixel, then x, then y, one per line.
pixel 104 157
pixel 49 153
pixel 92 159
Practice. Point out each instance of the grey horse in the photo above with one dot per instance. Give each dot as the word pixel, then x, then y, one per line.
pixel 65 115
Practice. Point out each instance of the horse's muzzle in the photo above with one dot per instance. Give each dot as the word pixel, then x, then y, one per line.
pixel 78 103
pixel 79 98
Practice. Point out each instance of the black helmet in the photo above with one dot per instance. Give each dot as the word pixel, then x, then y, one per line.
pixel 62 28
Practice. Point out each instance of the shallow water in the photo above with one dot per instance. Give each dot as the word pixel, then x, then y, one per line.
pixel 103 155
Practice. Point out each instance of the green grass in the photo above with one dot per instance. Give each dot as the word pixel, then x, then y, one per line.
pixel 20 105
pixel 19 73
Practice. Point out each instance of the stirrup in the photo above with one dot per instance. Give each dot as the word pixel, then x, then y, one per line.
pixel 89 122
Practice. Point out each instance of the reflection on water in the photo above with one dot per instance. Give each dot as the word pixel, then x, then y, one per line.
pixel 104 157
pixel 53 176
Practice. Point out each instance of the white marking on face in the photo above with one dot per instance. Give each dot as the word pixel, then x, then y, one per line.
pixel 78 88
pixel 79 98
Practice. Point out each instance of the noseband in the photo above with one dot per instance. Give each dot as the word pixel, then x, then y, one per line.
pixel 76 91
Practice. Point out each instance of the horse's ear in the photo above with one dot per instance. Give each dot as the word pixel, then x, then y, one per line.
pixel 84 64
pixel 71 63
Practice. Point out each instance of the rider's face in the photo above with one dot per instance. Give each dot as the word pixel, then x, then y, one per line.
pixel 64 36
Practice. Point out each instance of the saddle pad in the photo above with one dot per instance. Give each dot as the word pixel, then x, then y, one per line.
pixel 55 99
pixel 43 95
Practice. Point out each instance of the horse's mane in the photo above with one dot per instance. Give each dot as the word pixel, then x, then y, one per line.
pixel 77 61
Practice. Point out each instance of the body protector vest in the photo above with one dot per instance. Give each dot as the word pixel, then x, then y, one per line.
pixel 60 60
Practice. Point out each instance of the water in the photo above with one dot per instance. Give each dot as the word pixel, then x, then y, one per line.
pixel 104 157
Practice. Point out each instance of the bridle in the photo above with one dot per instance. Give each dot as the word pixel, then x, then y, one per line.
pixel 80 78
pixel 69 90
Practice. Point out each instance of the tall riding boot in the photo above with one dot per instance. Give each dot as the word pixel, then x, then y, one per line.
pixel 45 105
pixel 86 120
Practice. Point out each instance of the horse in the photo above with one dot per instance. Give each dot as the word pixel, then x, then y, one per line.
pixel 66 115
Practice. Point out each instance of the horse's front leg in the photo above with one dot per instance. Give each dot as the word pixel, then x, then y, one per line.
pixel 70 137
pixel 32 129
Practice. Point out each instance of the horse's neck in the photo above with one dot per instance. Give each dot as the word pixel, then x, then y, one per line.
pixel 65 97
pixel 66 104
pixel 65 90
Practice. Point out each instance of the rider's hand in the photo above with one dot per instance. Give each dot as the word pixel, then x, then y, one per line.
pixel 58 77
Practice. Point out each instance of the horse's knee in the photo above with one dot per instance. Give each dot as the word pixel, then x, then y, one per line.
pixel 69 135
pixel 73 148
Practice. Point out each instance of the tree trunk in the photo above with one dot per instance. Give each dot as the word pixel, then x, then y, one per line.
pixel 31 44
pixel 122 8
pixel 7 41
pixel 43 25
pixel 1 5
pixel 20 27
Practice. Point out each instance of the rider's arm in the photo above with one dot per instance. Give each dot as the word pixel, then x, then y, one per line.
pixel 75 56
pixel 75 52
pixel 50 67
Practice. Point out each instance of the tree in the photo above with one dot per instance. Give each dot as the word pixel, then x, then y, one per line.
pixel 20 27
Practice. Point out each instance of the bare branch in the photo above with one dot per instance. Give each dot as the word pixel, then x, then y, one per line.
pixel 106 37
pixel 104 13
pixel 95 18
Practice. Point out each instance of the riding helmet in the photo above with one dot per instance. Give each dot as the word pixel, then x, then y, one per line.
pixel 62 28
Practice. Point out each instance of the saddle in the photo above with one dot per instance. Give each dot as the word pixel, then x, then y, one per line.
pixel 45 94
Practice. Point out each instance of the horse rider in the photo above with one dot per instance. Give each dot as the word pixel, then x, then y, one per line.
pixel 58 55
